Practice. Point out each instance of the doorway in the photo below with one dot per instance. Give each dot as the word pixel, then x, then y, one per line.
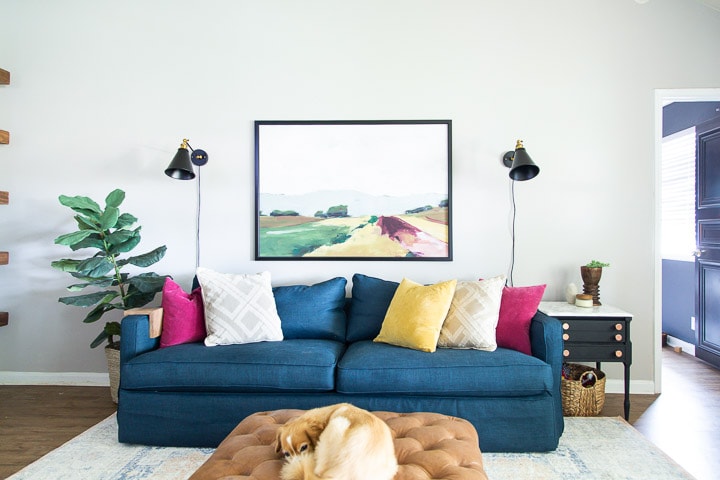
pixel 664 98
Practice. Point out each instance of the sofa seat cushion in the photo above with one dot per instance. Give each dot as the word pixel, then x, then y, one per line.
pixel 288 366
pixel 377 368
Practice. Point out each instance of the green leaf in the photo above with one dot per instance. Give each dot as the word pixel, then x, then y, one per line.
pixel 137 299
pixel 66 265
pixel 115 198
pixel 147 259
pixel 125 221
pixel 120 236
pixel 97 312
pixel 95 266
pixel 89 299
pixel 99 339
pixel 73 238
pixel 148 282
pixel 112 328
pixel 125 247
pixel 82 205
pixel 92 241
pixel 84 223
pixel 92 282
pixel 109 218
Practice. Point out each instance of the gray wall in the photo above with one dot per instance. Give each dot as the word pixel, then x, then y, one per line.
pixel 103 92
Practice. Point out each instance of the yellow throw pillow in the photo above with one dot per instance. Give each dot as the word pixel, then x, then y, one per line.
pixel 416 315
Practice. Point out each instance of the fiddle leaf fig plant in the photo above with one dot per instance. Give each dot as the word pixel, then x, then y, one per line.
pixel 111 234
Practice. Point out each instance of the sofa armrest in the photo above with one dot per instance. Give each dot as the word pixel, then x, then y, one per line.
pixel 155 316
pixel 135 337
pixel 547 345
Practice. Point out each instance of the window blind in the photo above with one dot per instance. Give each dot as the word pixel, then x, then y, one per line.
pixel 678 196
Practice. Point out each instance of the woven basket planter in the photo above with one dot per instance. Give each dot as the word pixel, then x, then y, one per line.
pixel 112 354
pixel 579 400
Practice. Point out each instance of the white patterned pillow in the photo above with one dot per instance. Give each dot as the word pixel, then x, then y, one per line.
pixel 238 308
pixel 473 315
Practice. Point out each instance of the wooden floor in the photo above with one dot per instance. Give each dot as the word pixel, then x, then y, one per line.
pixel 684 421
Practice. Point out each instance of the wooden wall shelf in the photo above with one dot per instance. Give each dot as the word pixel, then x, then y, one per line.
pixel 4 196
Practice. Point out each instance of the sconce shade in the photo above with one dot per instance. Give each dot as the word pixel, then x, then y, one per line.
pixel 180 167
pixel 522 166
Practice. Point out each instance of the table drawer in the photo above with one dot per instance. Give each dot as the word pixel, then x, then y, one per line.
pixel 596 353
pixel 595 331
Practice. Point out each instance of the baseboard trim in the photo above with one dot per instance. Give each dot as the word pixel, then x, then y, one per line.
pixel 55 378
pixel 636 386
pixel 688 348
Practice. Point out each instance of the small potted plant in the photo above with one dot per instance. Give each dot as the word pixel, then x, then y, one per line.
pixel 110 234
pixel 591 273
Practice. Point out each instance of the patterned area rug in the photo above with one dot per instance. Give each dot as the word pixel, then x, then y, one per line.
pixel 594 448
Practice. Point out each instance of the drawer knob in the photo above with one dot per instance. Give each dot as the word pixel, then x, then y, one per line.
pixel 618 353
pixel 618 337
pixel 566 353
pixel 618 326
pixel 566 337
pixel 566 326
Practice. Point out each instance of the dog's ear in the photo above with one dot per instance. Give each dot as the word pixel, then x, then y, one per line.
pixel 278 443
pixel 313 432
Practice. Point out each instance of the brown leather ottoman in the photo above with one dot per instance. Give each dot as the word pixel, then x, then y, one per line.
pixel 427 445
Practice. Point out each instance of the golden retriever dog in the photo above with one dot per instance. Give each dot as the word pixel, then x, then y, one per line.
pixel 339 442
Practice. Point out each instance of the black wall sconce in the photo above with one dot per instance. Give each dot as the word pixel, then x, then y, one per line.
pixel 181 168
pixel 521 168
pixel 520 164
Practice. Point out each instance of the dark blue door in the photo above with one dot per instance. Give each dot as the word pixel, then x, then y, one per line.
pixel 707 263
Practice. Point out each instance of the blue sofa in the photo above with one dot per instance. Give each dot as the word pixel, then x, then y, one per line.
pixel 192 396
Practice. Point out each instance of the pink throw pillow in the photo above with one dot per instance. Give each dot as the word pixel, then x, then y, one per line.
pixel 517 308
pixel 183 315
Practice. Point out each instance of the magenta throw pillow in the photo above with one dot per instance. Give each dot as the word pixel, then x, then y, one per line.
pixel 517 308
pixel 183 315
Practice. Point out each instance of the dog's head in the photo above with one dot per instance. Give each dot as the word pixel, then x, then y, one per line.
pixel 297 436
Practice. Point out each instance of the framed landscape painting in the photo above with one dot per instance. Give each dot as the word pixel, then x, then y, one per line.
pixel 353 190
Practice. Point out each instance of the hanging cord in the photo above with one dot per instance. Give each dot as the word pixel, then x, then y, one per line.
pixel 197 223
pixel 514 212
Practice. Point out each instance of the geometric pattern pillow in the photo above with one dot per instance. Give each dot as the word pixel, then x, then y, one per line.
pixel 238 308
pixel 473 315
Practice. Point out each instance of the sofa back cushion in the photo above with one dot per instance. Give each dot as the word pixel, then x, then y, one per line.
pixel 371 298
pixel 312 311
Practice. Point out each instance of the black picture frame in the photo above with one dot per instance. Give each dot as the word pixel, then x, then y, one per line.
pixel 353 190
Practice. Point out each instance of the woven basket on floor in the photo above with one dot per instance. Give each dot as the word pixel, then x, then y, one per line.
pixel 112 354
pixel 579 401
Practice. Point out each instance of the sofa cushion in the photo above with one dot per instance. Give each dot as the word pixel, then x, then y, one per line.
pixel 377 368
pixel 312 311
pixel 416 315
pixel 287 366
pixel 371 298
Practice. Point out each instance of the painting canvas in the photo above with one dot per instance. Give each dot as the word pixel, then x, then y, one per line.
pixel 344 190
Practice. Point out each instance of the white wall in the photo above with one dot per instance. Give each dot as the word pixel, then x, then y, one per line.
pixel 102 93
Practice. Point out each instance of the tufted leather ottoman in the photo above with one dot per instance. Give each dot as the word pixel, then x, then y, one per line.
pixel 427 445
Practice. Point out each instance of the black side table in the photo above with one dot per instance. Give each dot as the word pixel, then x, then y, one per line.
pixel 598 334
